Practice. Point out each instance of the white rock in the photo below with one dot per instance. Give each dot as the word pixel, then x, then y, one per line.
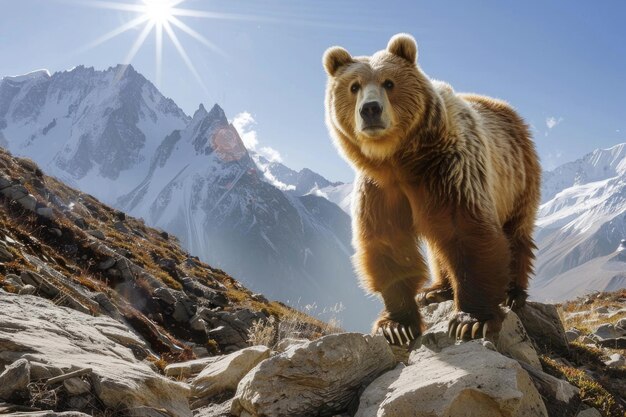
pixel 185 369
pixel 27 290
pixel 317 378
pixel 615 360
pixel 66 339
pixel 514 341
pixel 465 380
pixel 288 343
pixel 226 372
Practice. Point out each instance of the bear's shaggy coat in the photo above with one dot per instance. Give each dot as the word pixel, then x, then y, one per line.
pixel 456 171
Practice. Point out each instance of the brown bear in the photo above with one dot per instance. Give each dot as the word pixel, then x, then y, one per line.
pixel 458 172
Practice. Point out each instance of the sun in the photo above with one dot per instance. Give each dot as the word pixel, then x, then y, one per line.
pixel 162 17
pixel 159 11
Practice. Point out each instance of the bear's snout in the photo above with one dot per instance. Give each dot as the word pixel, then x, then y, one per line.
pixel 371 113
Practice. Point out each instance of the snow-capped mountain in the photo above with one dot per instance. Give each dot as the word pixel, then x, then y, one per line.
pixel 96 130
pixel 580 225
pixel 305 182
pixel 114 135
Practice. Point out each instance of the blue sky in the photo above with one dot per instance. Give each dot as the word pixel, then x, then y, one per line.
pixel 562 64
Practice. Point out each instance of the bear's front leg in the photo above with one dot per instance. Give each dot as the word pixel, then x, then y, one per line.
pixel 479 256
pixel 398 283
pixel 388 260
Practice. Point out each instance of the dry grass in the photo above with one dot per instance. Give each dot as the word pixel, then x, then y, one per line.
pixel 293 324
pixel 592 393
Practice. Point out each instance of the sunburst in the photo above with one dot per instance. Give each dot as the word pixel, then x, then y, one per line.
pixel 159 16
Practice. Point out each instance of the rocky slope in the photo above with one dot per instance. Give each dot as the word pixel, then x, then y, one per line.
pixel 113 135
pixel 59 359
pixel 103 283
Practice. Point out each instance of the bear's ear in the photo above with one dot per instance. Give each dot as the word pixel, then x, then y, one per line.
pixel 334 58
pixel 404 46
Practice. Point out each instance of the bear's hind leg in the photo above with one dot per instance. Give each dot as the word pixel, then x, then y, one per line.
pixel 441 289
pixel 519 233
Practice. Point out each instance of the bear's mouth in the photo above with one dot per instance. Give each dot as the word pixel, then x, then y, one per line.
pixel 373 129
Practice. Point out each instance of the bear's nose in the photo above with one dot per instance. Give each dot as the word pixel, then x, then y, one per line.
pixel 371 111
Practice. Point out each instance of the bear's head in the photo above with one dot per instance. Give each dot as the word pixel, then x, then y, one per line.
pixel 372 103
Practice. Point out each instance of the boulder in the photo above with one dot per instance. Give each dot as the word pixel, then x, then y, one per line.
pixel 225 373
pixel 14 379
pixel 544 326
pixel 29 202
pixel 467 379
pixel 14 280
pixel 561 398
pixel 512 339
pixel 229 328
pixel 615 360
pixel 189 368
pixel 66 340
pixel 321 378
pixel 15 192
pixel 46 212
pixel 27 290
pixel 605 331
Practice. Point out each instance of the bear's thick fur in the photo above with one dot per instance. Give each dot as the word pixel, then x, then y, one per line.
pixel 458 172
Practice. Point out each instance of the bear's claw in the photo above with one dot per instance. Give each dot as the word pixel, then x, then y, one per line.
pixel 436 295
pixel 465 327
pixel 396 333
pixel 516 298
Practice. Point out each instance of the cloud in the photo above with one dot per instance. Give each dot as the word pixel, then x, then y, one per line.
pixel 552 122
pixel 271 154
pixel 244 123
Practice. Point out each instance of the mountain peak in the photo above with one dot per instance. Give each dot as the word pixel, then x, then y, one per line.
pixel 33 75
pixel 201 113
pixel 217 113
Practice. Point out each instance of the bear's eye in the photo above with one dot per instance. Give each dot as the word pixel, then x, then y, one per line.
pixel 388 84
pixel 355 87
